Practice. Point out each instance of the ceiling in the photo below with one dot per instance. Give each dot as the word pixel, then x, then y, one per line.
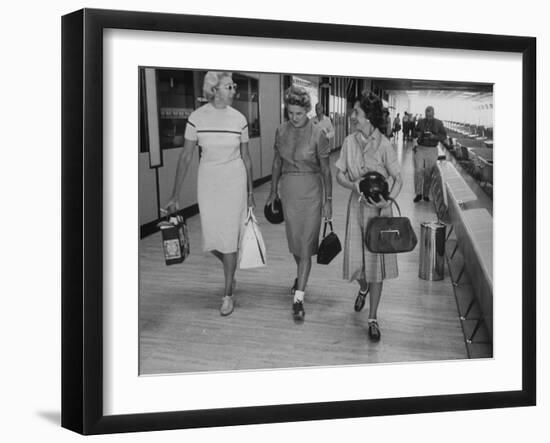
pixel 445 94
pixel 437 89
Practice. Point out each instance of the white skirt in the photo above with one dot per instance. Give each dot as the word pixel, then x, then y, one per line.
pixel 222 198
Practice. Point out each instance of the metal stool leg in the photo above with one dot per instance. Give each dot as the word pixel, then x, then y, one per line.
pixel 454 251
pixel 468 309
pixel 474 332
pixel 449 234
pixel 455 283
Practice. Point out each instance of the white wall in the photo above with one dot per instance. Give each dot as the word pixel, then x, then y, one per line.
pixel 402 104
pixel 270 115
pixel 30 283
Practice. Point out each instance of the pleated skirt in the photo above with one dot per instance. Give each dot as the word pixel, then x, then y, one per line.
pixel 359 262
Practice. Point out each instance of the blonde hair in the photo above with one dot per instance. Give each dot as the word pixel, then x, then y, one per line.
pixel 211 80
pixel 298 96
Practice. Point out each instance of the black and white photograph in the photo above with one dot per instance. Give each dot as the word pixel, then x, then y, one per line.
pixel 291 220
pixel 307 230
pixel 275 221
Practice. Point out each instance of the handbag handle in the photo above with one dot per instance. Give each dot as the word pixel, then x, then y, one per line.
pixel 396 205
pixel 392 202
pixel 250 216
pixel 327 222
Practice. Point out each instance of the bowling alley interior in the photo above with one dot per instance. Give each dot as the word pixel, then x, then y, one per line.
pixel 438 308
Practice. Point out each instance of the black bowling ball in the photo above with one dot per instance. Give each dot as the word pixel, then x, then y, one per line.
pixel 276 216
pixel 373 185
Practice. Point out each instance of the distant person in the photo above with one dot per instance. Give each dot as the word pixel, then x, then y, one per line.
pixel 301 163
pixel 406 126
pixel 387 128
pixel 324 123
pixel 396 126
pixel 430 131
pixel 224 183
pixel 366 150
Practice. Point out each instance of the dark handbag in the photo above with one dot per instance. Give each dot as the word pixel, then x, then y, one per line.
pixel 330 246
pixel 390 235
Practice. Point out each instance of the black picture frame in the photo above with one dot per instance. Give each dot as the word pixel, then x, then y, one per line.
pixel 82 218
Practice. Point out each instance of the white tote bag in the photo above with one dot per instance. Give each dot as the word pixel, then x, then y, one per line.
pixel 252 247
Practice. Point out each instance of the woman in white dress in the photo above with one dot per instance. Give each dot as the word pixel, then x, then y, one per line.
pixel 224 185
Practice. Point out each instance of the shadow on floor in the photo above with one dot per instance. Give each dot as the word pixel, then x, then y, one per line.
pixel 54 417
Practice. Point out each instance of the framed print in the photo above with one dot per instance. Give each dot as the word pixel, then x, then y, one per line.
pixel 203 156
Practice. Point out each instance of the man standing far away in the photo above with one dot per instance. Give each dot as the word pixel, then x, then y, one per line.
pixel 396 126
pixel 405 126
pixel 325 124
pixel 430 132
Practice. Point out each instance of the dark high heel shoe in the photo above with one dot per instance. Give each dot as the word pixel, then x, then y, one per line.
pixel 360 300
pixel 374 331
pixel 298 311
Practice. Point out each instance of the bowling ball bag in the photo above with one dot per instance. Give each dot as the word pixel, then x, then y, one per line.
pixel 390 235
pixel 275 216
pixel 373 185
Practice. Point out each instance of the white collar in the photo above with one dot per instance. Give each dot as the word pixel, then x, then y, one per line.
pixel 366 139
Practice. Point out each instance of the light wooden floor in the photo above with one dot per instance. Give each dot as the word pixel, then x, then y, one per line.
pixel 181 329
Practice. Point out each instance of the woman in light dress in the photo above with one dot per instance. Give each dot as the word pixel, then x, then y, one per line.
pixel 301 165
pixel 224 187
pixel 366 149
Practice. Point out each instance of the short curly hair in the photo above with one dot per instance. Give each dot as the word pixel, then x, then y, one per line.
pixel 372 106
pixel 211 80
pixel 298 96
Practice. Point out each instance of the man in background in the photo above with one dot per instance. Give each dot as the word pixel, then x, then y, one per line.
pixel 405 126
pixel 396 127
pixel 324 123
pixel 430 132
